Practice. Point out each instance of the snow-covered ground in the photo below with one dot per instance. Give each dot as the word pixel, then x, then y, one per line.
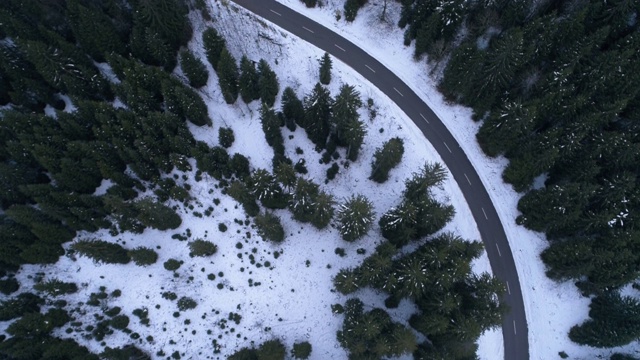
pixel 552 308
pixel 280 291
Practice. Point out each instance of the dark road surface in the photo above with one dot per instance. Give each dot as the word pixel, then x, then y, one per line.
pixel 514 326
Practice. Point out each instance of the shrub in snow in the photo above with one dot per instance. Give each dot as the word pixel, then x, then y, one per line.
pixel 102 251
pixel 119 322
pixel 186 303
pixel 301 350
pixel 169 295
pixel 113 311
pixel 355 217
pixel 143 256
pixel 126 352
pixel 202 248
pixel 55 287
pixel 172 264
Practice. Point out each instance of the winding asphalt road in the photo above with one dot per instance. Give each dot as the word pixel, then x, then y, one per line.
pixel 514 326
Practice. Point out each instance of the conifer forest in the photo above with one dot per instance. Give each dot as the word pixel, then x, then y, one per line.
pixel 110 153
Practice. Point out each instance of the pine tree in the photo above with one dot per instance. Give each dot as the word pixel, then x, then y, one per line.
pixel 269 227
pixel 214 44
pixel 157 215
pixel 271 350
pixel 386 158
pixel 240 192
pixel 614 322
pixel 167 18
pixel 101 251
pixel 317 107
pixel 271 126
pixel 265 188
pixel 267 83
pixel 292 109
pixel 194 69
pixel 348 129
pixel 228 76
pixel 323 211
pixel 248 82
pixel 185 102
pixel 302 203
pixel 355 217
pixel 345 111
pixel 325 68
pixel 94 30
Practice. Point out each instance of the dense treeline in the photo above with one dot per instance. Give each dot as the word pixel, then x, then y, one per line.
pixel 78 56
pixel 557 87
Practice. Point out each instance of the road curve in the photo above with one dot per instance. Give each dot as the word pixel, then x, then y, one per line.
pixel 514 326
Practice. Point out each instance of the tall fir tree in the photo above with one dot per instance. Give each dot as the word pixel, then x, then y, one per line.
pixel 325 69
pixel 267 83
pixel 228 76
pixel 317 107
pixel 248 82
pixel 355 217
pixel 292 109
pixel 214 44
pixel 386 158
pixel 194 69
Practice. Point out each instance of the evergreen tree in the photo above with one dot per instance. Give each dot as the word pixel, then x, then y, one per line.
pixel 271 127
pixel 267 83
pixel 323 212
pixel 94 30
pixel 386 158
pixel 226 137
pixel 265 188
pixel 301 350
pixel 351 8
pixel 355 217
pixel 271 350
pixel 269 227
pixel 157 215
pixel 325 68
pixel 614 322
pixel 292 109
pixel 348 129
pixel 240 192
pixel 167 18
pixel 184 102
pixel 101 251
pixel 214 44
pixel 302 201
pixel 317 107
pixel 194 69
pixel 249 80
pixel 228 76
